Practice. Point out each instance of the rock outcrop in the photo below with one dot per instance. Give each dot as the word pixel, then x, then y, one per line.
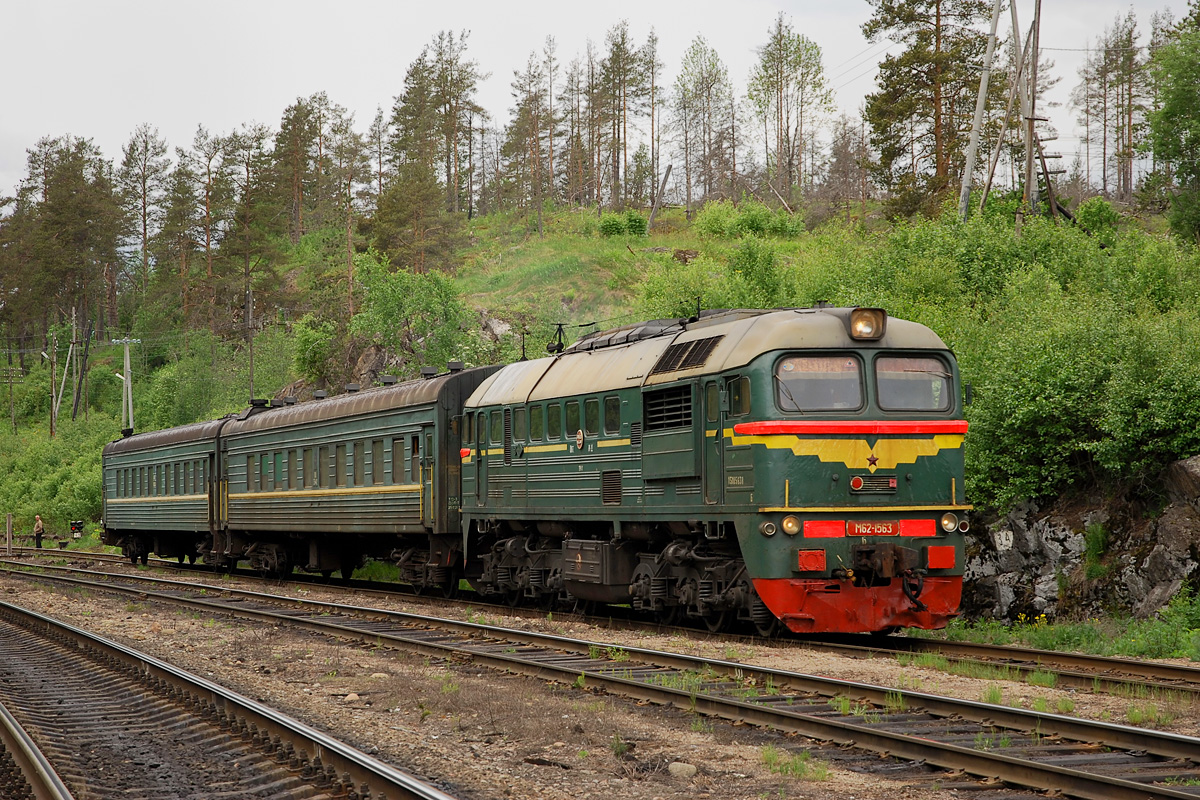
pixel 1035 562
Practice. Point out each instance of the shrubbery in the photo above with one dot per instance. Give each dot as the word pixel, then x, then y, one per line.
pixel 721 219
pixel 1085 359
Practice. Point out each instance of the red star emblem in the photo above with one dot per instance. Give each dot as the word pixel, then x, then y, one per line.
pixel 873 460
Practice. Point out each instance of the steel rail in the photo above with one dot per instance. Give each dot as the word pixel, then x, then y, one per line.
pixel 1080 670
pixel 43 782
pixel 307 748
pixel 613 675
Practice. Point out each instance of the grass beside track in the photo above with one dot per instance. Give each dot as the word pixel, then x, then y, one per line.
pixel 1174 632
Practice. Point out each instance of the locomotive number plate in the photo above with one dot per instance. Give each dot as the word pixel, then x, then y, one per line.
pixel 874 528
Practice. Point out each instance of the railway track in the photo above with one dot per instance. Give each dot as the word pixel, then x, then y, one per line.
pixel 114 723
pixel 1023 748
pixel 1099 674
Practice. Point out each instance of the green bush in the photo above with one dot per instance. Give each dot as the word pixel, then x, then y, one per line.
pixel 715 219
pixel 612 225
pixel 1097 216
pixel 635 223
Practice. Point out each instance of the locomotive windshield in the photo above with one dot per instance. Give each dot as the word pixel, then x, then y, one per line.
pixel 912 383
pixel 819 383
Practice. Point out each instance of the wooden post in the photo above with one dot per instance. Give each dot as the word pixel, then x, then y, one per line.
pixel 658 197
pixel 8 534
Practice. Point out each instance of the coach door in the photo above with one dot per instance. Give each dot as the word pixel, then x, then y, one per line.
pixel 425 457
pixel 714 443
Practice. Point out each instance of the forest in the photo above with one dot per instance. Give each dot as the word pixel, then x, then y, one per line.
pixel 266 261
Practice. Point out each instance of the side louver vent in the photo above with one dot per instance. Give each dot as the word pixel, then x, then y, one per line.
pixel 610 487
pixel 668 408
pixel 687 355
pixel 635 435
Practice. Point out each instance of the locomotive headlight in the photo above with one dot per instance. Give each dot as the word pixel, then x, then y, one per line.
pixel 949 522
pixel 767 528
pixel 791 525
pixel 867 323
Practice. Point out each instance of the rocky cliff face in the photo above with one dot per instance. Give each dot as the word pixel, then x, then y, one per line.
pixel 1109 557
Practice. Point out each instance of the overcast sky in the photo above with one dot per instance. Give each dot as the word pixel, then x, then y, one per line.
pixel 98 68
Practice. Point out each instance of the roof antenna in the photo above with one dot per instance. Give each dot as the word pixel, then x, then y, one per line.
pixel 524 331
pixel 557 345
pixel 697 317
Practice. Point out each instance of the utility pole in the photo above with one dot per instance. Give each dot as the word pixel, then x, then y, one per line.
pixel 81 376
pixel 53 375
pixel 127 394
pixel 10 374
pixel 1031 192
pixel 964 197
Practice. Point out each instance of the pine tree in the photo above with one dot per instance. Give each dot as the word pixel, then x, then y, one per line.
pixel 921 115
pixel 788 90
pixel 142 179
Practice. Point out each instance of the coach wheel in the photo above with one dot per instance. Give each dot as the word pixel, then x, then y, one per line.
pixel 326 574
pixel 179 558
pixel 133 559
pixel 450 587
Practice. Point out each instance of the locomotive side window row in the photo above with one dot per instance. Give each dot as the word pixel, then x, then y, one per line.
pixel 536 423
pixel 336 466
pixel 178 478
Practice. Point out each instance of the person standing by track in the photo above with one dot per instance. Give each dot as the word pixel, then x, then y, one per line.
pixel 38 530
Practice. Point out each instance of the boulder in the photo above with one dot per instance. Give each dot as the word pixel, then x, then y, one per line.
pixel 1182 480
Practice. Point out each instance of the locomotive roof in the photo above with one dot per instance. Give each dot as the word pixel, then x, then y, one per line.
pixel 664 351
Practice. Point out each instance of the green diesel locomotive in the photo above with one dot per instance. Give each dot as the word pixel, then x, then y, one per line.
pixel 794 466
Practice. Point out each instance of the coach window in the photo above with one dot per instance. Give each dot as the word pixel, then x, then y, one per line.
pixel 323 467
pixel 339 465
pixel 572 417
pixel 591 416
pixel 397 460
pixel 280 481
pixel 360 458
pixel 377 461
pixel 293 458
pixel 739 397
pixel 612 415
pixel 537 423
pixel 519 430
pixel 416 460
pixel 554 421
pixel 264 472
pixel 497 434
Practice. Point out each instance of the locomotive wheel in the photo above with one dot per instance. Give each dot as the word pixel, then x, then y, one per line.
pixel 513 597
pixel 326 574
pixel 145 557
pixel 179 558
pixel 767 628
pixel 450 587
pixel 718 620
pixel 670 615
pixel 133 558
